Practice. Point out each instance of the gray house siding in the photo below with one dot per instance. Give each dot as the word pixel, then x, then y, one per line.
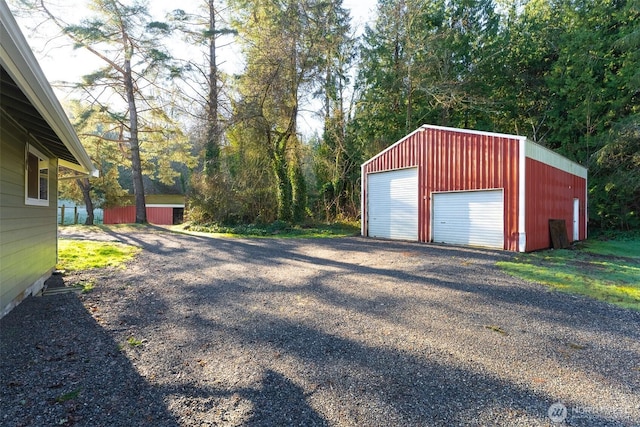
pixel 28 241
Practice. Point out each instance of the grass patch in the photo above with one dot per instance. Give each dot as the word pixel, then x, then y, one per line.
pixel 77 255
pixel 495 328
pixel 68 396
pixel 85 286
pixel 607 270
pixel 614 248
pixel 277 229
pixel 134 342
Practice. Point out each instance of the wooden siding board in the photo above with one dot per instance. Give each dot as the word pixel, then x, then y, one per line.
pixel 9 191
pixel 11 176
pixel 29 257
pixel 18 213
pixel 28 241
pixel 20 236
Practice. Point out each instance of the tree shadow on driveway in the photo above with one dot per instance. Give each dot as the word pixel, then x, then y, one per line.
pixel 361 332
pixel 281 402
pixel 58 366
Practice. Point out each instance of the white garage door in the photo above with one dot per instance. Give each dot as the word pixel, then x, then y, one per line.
pixel 473 218
pixel 392 206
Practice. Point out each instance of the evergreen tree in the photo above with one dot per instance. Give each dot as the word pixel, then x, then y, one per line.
pixel 127 41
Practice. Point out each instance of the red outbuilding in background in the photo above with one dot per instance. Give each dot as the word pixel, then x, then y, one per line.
pixel 472 188
pixel 162 209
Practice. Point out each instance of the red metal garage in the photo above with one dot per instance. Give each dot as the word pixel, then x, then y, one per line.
pixel 472 188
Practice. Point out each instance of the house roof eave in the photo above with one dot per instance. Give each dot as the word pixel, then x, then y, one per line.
pixel 17 59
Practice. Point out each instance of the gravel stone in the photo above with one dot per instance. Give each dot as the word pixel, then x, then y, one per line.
pixel 201 331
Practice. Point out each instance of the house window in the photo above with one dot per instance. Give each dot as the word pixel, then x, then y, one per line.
pixel 37 178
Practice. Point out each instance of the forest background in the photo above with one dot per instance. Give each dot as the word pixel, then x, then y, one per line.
pixel 281 134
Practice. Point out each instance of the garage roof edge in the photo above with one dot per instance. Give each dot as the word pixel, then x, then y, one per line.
pixel 448 129
pixel 420 129
pixel 559 159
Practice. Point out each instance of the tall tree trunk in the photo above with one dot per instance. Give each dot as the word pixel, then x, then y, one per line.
pixel 212 149
pixel 136 163
pixel 85 187
pixel 408 121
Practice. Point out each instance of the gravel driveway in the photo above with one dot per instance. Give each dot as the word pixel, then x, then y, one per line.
pixel 202 331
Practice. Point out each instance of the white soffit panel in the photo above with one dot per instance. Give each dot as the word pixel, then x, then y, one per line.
pixel 553 159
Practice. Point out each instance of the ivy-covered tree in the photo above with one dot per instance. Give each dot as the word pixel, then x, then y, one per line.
pixel 283 44
pixel 563 73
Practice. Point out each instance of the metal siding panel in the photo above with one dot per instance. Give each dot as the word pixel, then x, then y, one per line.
pixel 127 215
pixel 363 197
pixel 455 160
pixel 553 200
pixel 160 216
pixel 423 200
pixel 470 161
pixel 510 180
pixel 555 160
pixel 520 178
pixel 473 218
pixel 119 215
